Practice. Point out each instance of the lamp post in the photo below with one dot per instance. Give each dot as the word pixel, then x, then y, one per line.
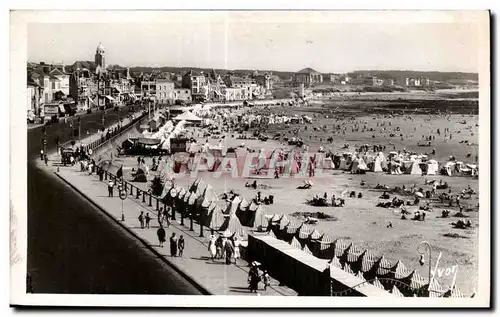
pixel 102 119
pixel 44 141
pixel 79 130
pixel 422 258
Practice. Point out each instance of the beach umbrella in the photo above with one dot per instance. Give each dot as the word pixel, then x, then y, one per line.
pixel 419 194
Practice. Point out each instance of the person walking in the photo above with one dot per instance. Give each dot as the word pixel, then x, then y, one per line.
pixel 148 219
pixel 161 236
pixel 266 279
pixel 141 219
pixel 173 245
pixel 237 244
pixel 229 249
pixel 46 159
pixel 110 188
pixel 160 217
pixel 212 248
pixel 41 155
pixel 253 278
pixel 181 244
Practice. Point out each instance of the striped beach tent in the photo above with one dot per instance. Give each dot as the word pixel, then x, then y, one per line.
pixel 336 263
pixel 340 246
pixel 395 291
pixel 306 249
pixel 376 282
pixel 295 243
pixel 233 225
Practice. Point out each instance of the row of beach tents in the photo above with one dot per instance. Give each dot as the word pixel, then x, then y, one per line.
pixel 345 255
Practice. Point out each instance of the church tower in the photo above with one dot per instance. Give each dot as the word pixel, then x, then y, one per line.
pixel 99 57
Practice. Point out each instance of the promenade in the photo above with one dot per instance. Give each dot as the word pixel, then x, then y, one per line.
pixel 212 277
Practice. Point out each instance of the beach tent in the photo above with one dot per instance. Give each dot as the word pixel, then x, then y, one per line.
pixel 258 219
pixel 394 168
pixel 474 170
pixel 414 168
pixel 448 169
pixel 232 207
pixel 233 225
pixel 432 167
pixel 188 117
pixel 358 165
pixel 215 219
pixel 328 163
pixel 377 165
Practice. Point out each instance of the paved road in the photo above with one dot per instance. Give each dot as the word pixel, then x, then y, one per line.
pixel 74 248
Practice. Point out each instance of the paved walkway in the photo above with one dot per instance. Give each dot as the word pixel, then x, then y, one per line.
pixel 216 277
pixel 55 157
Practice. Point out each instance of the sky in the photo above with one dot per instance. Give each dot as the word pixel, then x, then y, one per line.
pixel 253 42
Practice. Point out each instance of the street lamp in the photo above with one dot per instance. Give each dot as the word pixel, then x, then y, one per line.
pixel 422 258
pixel 79 130
pixel 44 142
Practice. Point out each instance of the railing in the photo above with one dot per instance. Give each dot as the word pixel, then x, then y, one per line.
pixel 117 131
pixel 145 197
pixel 157 203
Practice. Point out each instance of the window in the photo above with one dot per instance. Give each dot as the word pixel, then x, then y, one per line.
pixel 53 85
pixel 187 92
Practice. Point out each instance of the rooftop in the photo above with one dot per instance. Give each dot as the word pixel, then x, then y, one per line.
pixel 307 70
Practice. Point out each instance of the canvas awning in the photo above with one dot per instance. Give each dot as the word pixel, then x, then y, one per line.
pixel 147 141
pixel 187 116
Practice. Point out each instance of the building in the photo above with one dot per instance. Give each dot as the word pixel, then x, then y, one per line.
pixel 148 88
pixel 390 82
pixel 83 88
pixel 182 94
pixel 232 94
pixel 307 76
pixel 198 83
pixel 59 81
pixel 264 80
pixel 100 59
pixel 417 82
pixel 33 104
pixel 53 81
pixel 164 90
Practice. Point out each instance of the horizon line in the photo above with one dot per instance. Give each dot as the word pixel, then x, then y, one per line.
pixel 273 70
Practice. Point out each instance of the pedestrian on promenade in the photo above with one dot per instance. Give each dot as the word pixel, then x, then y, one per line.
pixel 160 217
pixel 141 219
pixel 228 251
pixel 138 161
pixel 148 219
pixel 161 235
pixel 46 160
pixel 166 216
pixel 253 278
pixel 100 172
pixel 266 279
pixel 110 188
pixel 237 244
pixel 41 155
pixel 173 245
pixel 181 245
pixel 212 248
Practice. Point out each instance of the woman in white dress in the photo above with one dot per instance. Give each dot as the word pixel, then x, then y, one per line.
pixel 211 247
pixel 236 249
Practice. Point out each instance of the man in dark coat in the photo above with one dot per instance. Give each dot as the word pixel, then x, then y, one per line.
pixel 173 245
pixel 181 244
pixel 161 236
